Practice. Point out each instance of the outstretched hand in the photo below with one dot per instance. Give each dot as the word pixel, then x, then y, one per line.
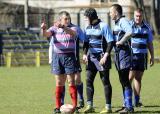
pixel 43 26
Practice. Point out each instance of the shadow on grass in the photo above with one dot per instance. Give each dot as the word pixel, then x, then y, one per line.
pixel 148 111
pixel 151 106
pixel 151 112
pixel 152 109
pixel 145 106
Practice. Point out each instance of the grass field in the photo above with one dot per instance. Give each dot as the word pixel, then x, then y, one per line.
pixel 29 90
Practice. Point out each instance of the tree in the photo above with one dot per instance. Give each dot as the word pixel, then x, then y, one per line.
pixel 153 19
pixel 26 13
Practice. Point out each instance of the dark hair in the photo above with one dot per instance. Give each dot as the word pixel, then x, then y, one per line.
pixel 118 8
pixel 91 13
pixel 139 10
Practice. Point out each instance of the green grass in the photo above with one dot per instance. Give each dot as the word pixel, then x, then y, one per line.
pixel 156 44
pixel 29 90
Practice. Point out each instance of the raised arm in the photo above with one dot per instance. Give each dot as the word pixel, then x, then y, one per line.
pixel 44 30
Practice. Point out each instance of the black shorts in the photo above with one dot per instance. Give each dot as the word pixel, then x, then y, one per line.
pixel 139 62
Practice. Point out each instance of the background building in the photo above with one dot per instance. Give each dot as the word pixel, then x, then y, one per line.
pixel 12 11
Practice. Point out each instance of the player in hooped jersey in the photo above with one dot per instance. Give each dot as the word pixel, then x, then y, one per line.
pixel 122 33
pixel 78 81
pixel 64 59
pixel 141 42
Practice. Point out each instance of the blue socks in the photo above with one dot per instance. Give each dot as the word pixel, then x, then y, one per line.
pixel 128 98
pixel 136 99
pixel 80 91
pixel 63 95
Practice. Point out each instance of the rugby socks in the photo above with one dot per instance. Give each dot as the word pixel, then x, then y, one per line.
pixel 90 103
pixel 80 91
pixel 136 99
pixel 128 98
pixel 63 95
pixel 90 87
pixel 104 75
pixel 90 92
pixel 108 93
pixel 73 94
pixel 59 90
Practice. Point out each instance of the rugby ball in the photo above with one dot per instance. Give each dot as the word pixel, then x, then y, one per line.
pixel 66 109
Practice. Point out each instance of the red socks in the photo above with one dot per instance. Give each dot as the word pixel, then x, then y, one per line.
pixel 59 91
pixel 73 94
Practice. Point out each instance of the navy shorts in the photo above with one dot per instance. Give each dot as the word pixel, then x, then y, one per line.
pixel 93 63
pixel 139 62
pixel 122 59
pixel 63 63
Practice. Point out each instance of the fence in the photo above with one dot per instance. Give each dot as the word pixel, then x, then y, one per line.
pixel 18 59
pixel 24 43
pixel 22 47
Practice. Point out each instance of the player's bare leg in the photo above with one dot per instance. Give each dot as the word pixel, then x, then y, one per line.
pixel 136 76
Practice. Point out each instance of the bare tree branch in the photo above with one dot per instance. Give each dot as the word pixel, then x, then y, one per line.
pixel 135 3
pixel 153 20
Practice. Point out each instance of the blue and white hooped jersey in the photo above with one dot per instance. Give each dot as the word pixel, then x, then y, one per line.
pixel 142 35
pixel 98 35
pixel 122 55
pixel 122 26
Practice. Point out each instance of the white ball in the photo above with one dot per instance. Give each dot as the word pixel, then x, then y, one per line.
pixel 66 109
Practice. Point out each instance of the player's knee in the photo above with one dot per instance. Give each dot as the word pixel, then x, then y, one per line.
pixel 105 81
pixel 89 82
pixel 138 78
pixel 60 83
pixel 78 80
pixel 71 82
